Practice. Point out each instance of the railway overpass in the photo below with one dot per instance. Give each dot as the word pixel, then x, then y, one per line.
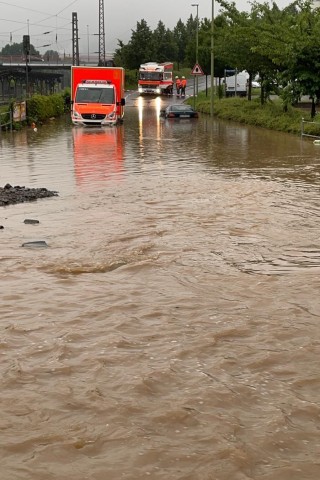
pixel 18 78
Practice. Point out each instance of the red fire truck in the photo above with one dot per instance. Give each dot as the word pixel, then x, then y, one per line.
pixel 155 78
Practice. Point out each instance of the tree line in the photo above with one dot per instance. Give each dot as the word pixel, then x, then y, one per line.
pixel 16 50
pixel 159 45
pixel 280 46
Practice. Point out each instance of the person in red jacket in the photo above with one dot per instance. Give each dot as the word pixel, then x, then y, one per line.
pixel 183 86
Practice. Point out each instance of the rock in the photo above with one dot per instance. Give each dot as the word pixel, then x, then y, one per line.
pixel 10 195
pixel 35 244
pixel 31 221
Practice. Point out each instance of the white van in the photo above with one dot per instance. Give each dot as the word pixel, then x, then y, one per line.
pixel 236 85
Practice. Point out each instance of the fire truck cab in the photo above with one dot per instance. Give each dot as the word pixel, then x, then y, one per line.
pixel 155 78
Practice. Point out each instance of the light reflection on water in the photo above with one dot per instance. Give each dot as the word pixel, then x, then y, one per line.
pixel 104 148
pixel 219 147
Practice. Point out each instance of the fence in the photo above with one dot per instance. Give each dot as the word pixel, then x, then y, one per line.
pixel 6 120
pixel 303 134
pixel 17 113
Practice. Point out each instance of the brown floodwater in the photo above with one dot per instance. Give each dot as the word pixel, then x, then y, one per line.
pixel 170 330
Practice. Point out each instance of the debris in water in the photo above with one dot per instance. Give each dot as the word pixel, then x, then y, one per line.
pixel 31 221
pixel 35 244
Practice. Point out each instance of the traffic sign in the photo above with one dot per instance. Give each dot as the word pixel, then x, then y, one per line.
pixel 197 70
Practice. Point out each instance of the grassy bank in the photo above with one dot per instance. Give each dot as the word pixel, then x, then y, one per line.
pixel 270 115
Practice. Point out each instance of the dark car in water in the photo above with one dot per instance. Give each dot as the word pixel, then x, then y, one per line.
pixel 179 111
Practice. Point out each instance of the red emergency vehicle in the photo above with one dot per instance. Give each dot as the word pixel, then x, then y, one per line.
pixel 97 95
pixel 155 78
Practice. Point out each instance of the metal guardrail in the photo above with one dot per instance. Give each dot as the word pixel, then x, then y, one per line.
pixel 4 122
pixel 303 134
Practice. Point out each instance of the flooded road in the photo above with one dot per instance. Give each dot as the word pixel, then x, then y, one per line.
pixel 171 328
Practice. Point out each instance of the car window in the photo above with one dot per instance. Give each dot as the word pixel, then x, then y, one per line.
pixel 181 108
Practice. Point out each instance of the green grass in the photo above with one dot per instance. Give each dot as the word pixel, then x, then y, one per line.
pixel 270 115
pixel 4 108
pixel 183 72
pixel 4 115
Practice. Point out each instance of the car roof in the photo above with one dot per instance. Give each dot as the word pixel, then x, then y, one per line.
pixel 180 106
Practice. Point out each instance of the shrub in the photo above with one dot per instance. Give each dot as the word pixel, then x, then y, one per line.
pixel 131 79
pixel 43 107
pixel 270 115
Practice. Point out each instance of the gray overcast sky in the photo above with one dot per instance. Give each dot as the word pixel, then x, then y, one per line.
pixel 121 16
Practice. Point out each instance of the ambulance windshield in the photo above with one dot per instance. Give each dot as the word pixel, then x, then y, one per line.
pixel 95 95
pixel 145 75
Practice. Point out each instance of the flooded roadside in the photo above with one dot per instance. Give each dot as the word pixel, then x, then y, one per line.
pixel 170 329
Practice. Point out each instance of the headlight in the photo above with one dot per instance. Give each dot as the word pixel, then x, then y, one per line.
pixel 140 89
pixel 76 114
pixel 111 115
pixel 158 90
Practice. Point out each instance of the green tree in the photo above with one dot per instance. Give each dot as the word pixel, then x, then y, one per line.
pixel 180 38
pixel 250 41
pixel 121 56
pixel 164 46
pixel 140 47
pixel 51 56
pixel 17 49
pixel 269 31
pixel 288 44
pixel 205 32
pixel 190 48
pixel 300 75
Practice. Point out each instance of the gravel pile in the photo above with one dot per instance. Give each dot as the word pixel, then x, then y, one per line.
pixel 10 195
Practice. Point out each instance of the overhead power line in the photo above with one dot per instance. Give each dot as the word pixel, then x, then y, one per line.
pixel 39 22
pixel 32 10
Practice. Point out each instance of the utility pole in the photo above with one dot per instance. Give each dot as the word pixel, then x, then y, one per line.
pixel 75 40
pixel 102 48
pixel 26 51
pixel 212 60
pixel 197 43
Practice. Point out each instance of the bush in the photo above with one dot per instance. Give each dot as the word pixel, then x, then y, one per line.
pixel 131 79
pixel 271 115
pixel 67 99
pixel 43 107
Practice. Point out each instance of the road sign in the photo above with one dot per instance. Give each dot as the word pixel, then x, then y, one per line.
pixel 197 70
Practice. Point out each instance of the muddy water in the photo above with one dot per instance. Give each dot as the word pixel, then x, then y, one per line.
pixel 171 328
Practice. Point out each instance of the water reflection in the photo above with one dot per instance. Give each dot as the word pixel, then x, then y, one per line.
pixel 150 135
pixel 149 118
pixel 98 154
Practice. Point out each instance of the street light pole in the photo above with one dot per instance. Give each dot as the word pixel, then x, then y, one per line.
pixel 197 30
pixel 212 61
pixel 195 78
